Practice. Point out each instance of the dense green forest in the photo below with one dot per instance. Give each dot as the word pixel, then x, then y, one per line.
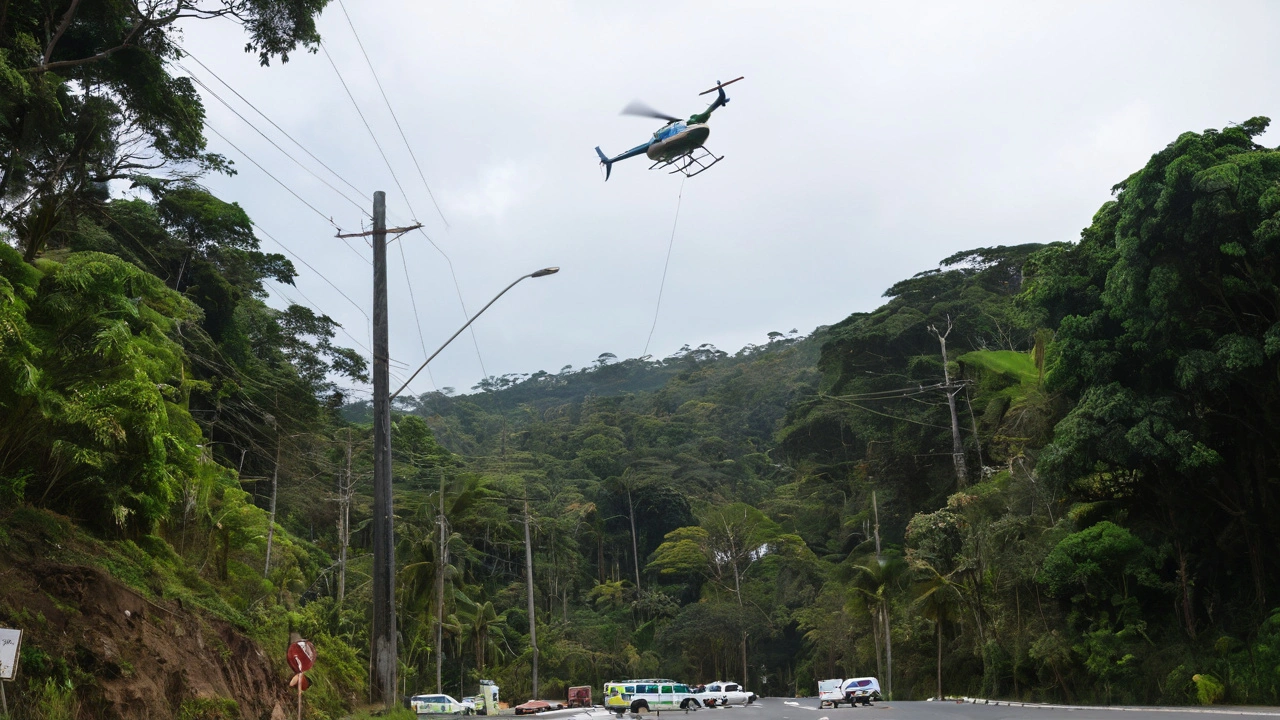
pixel 1044 471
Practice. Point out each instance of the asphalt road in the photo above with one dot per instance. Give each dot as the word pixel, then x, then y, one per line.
pixel 807 709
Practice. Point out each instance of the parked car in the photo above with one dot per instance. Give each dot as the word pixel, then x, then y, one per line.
pixel 438 704
pixel 469 703
pixel 534 707
pixel 729 693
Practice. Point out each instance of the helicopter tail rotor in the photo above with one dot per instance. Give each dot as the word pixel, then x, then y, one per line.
pixel 606 162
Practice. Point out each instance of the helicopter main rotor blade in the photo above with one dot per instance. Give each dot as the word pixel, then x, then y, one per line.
pixel 638 108
pixel 721 84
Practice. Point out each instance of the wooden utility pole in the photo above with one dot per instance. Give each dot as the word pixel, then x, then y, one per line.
pixel 884 605
pixel 271 521
pixel 528 571
pixel 382 656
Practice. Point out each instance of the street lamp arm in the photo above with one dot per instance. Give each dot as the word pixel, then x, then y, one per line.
pixel 540 273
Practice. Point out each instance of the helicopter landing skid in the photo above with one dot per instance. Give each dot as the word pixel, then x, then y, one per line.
pixel 691 163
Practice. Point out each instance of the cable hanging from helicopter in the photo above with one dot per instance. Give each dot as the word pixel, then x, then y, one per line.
pixel 680 144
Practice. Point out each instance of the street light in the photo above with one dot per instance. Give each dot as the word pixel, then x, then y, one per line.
pixel 536 274
pixel 386 560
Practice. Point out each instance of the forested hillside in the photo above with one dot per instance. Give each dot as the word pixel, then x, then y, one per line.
pixel 1044 471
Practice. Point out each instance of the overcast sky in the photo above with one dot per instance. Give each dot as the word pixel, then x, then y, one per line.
pixel 866 143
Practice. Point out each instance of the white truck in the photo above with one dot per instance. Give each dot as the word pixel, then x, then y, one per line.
pixel 851 691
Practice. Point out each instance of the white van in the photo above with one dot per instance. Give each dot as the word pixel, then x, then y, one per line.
pixel 648 695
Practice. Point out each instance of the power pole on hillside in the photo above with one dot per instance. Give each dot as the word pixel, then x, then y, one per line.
pixel 383 657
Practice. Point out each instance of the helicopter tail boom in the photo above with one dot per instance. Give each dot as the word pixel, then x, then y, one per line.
pixel 606 162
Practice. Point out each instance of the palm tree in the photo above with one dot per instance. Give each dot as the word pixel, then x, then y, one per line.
pixel 875 579
pixel 937 599
pixel 441 549
pixel 482 626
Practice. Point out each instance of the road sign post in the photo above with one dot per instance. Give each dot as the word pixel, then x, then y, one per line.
pixel 10 648
pixel 301 657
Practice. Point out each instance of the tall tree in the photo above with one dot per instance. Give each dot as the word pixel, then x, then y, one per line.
pixel 1167 341
pixel 88 99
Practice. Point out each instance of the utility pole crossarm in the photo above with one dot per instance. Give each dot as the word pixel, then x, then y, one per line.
pixel 388 231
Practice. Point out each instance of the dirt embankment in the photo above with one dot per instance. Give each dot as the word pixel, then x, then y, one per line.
pixel 147 657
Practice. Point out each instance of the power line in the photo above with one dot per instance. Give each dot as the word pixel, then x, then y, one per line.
pixel 461 302
pixel 882 414
pixel 392 362
pixel 326 218
pixel 417 321
pixel 367 126
pixel 405 196
pixel 316 307
pixel 368 321
pixel 274 125
pixel 409 147
pixel 297 162
pixel 282 150
pixel 890 394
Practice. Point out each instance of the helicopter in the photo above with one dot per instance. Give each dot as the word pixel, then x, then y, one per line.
pixel 677 144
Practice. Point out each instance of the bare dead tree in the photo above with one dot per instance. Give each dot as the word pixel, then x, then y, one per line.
pixel 957 447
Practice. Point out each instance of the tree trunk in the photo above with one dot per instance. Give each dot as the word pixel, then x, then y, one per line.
pixel 344 525
pixel 957 447
pixel 939 628
pixel 1188 611
pixel 635 551
pixel 875 637
pixel 737 589
pixel 888 654
pixel 271 524
pixel 442 562
pixel 973 420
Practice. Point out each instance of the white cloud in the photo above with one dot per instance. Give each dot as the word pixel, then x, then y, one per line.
pixel 498 189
